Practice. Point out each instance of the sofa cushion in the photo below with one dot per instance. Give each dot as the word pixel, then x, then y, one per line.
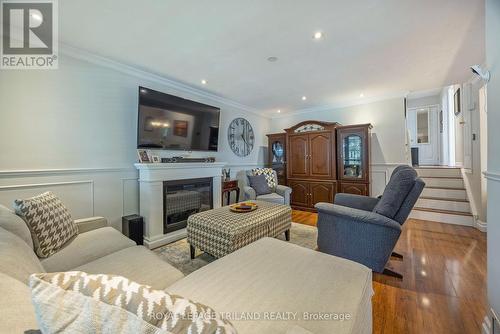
pixel 138 264
pixel 49 221
pixel 15 224
pixel 271 274
pixel 269 175
pixel 18 314
pixel 273 198
pixel 400 184
pixel 17 259
pixel 87 247
pixel 259 184
pixel 114 304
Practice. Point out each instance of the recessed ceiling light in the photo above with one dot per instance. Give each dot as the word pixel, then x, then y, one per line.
pixel 361 95
pixel 278 111
pixel 143 91
pixel 204 82
pixel 304 98
pixel 272 59
pixel 318 35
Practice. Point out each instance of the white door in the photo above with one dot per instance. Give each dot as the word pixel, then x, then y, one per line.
pixel 423 125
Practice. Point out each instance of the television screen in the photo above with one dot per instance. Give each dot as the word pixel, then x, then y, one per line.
pixel 173 123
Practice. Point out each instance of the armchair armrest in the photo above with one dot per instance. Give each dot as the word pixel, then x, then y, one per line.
pixel 89 224
pixel 249 193
pixel 356 201
pixel 285 192
pixel 356 215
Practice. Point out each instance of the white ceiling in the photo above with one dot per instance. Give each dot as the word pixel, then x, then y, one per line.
pixel 374 47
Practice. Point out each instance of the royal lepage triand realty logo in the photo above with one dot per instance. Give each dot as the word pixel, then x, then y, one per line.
pixel 29 34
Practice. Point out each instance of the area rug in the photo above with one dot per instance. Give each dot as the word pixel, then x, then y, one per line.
pixel 177 253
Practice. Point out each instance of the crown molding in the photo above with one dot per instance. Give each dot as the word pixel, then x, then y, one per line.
pixel 351 103
pixel 77 53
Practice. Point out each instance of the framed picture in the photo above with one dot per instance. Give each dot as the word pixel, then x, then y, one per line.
pixel 155 158
pixel 181 128
pixel 143 156
pixel 456 104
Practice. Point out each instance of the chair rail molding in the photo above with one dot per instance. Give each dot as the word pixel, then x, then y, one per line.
pixel 60 171
pixel 492 176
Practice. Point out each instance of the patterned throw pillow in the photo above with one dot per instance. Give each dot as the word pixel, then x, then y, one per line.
pixel 268 173
pixel 83 303
pixel 49 221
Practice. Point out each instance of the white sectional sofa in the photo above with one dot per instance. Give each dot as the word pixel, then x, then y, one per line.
pixel 269 279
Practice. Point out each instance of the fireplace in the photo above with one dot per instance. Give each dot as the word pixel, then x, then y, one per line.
pixel 154 177
pixel 182 198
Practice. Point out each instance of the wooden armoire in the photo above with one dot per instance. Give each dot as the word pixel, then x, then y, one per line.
pixel 312 163
pixel 321 159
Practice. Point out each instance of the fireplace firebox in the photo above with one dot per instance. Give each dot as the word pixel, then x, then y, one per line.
pixel 182 198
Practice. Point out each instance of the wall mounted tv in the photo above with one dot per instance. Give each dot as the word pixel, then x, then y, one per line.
pixel 172 123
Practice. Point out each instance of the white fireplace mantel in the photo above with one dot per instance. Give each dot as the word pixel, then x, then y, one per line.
pixel 151 177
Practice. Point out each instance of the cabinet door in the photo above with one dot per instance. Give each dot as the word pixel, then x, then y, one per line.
pixel 321 192
pixel 297 156
pixel 354 188
pixel 353 150
pixel 300 193
pixel 320 156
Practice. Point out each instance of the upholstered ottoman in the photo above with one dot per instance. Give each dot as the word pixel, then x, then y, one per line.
pixel 219 232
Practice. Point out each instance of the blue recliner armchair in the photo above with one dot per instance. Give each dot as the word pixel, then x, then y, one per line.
pixel 366 229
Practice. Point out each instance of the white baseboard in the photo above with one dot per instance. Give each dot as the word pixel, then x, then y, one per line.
pixel 165 239
pixel 480 225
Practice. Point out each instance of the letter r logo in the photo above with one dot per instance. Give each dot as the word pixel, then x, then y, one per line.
pixel 27 28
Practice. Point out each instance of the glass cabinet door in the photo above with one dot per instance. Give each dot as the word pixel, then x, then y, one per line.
pixel 278 150
pixel 352 146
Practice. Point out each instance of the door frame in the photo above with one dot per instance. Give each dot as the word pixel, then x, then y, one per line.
pixel 436 127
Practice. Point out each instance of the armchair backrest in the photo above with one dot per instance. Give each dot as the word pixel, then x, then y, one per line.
pixel 400 194
pixel 242 177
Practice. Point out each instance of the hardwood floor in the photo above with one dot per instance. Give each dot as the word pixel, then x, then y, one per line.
pixel 444 285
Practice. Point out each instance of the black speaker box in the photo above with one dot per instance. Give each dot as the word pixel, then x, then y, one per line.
pixel 133 227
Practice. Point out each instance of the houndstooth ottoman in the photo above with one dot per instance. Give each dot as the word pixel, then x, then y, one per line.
pixel 219 232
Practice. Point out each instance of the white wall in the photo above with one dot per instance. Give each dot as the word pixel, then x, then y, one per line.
pixel 388 133
pixel 81 120
pixel 493 63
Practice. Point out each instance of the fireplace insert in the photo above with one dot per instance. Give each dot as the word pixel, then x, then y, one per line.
pixel 182 198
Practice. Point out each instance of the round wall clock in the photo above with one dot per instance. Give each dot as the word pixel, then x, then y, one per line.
pixel 240 137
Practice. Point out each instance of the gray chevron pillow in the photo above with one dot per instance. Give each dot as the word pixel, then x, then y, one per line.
pixel 49 221
pixel 84 303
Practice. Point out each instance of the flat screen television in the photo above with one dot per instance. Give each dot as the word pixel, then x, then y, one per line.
pixel 172 123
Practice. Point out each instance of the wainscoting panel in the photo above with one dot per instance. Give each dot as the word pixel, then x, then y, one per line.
pixel 77 195
pixel 106 192
pixel 130 188
pixel 380 174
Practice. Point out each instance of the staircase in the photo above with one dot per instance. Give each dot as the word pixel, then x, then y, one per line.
pixel 444 198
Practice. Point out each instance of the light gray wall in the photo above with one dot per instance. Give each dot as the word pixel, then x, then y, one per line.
pixel 493 63
pixel 388 133
pixel 387 118
pixel 75 130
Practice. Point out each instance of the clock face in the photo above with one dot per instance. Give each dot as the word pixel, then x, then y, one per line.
pixel 240 137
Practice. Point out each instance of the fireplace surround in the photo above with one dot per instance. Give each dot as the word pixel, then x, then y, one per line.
pixel 152 200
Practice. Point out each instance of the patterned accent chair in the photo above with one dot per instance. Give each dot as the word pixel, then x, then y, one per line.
pixel 280 194
pixel 366 229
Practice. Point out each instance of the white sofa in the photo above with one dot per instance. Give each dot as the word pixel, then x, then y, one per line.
pixel 267 276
